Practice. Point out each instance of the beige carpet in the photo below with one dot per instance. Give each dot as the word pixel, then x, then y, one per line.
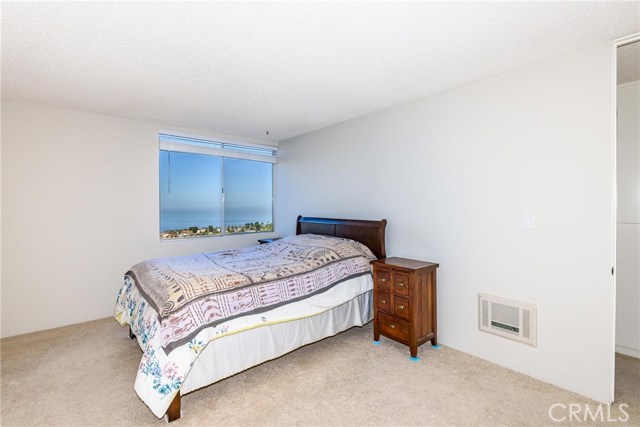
pixel 82 375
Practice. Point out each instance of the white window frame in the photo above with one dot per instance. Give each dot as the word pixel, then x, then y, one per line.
pixel 224 148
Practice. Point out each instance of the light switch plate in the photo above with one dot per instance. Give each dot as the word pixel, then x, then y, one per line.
pixel 528 222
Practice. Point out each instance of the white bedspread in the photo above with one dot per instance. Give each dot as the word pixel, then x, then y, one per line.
pixel 160 375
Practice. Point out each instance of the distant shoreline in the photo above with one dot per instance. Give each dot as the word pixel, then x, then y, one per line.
pixel 210 230
pixel 172 220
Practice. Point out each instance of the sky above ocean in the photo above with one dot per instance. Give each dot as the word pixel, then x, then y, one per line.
pixel 191 191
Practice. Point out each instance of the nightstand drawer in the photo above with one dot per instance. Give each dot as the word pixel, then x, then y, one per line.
pixel 393 327
pixel 383 281
pixel 400 284
pixel 401 307
pixel 384 302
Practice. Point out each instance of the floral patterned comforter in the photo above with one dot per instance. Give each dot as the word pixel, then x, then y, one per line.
pixel 176 306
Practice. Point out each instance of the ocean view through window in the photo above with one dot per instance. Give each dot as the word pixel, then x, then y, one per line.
pixel 208 188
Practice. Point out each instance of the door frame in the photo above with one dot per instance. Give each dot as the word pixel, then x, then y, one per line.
pixel 614 118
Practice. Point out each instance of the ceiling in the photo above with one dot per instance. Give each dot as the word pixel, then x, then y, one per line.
pixel 629 63
pixel 289 68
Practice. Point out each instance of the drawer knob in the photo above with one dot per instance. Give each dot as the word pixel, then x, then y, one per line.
pixel 392 326
pixel 383 302
pixel 401 307
pixel 401 284
pixel 383 280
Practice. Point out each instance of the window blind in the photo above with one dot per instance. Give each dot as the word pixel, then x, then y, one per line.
pixel 236 150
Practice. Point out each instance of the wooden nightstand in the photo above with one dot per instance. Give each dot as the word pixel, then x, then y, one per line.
pixel 404 301
pixel 269 240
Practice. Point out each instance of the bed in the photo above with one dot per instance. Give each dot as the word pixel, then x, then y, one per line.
pixel 205 317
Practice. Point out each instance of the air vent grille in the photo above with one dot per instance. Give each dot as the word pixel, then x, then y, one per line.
pixel 507 318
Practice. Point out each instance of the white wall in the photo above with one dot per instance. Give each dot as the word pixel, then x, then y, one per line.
pixel 455 172
pixel 79 207
pixel 628 234
pixel 0 222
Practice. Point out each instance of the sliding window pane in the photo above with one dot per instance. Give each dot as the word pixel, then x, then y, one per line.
pixel 190 195
pixel 248 196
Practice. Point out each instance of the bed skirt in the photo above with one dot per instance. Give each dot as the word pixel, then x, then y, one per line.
pixel 255 346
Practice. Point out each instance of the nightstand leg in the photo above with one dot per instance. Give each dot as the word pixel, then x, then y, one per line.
pixel 376 331
pixel 413 348
pixel 434 301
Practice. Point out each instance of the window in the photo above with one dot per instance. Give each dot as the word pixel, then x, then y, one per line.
pixel 211 188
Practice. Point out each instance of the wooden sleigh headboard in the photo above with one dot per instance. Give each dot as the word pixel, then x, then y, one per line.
pixel 369 233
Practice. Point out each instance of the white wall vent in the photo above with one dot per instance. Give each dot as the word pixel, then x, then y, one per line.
pixel 507 318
